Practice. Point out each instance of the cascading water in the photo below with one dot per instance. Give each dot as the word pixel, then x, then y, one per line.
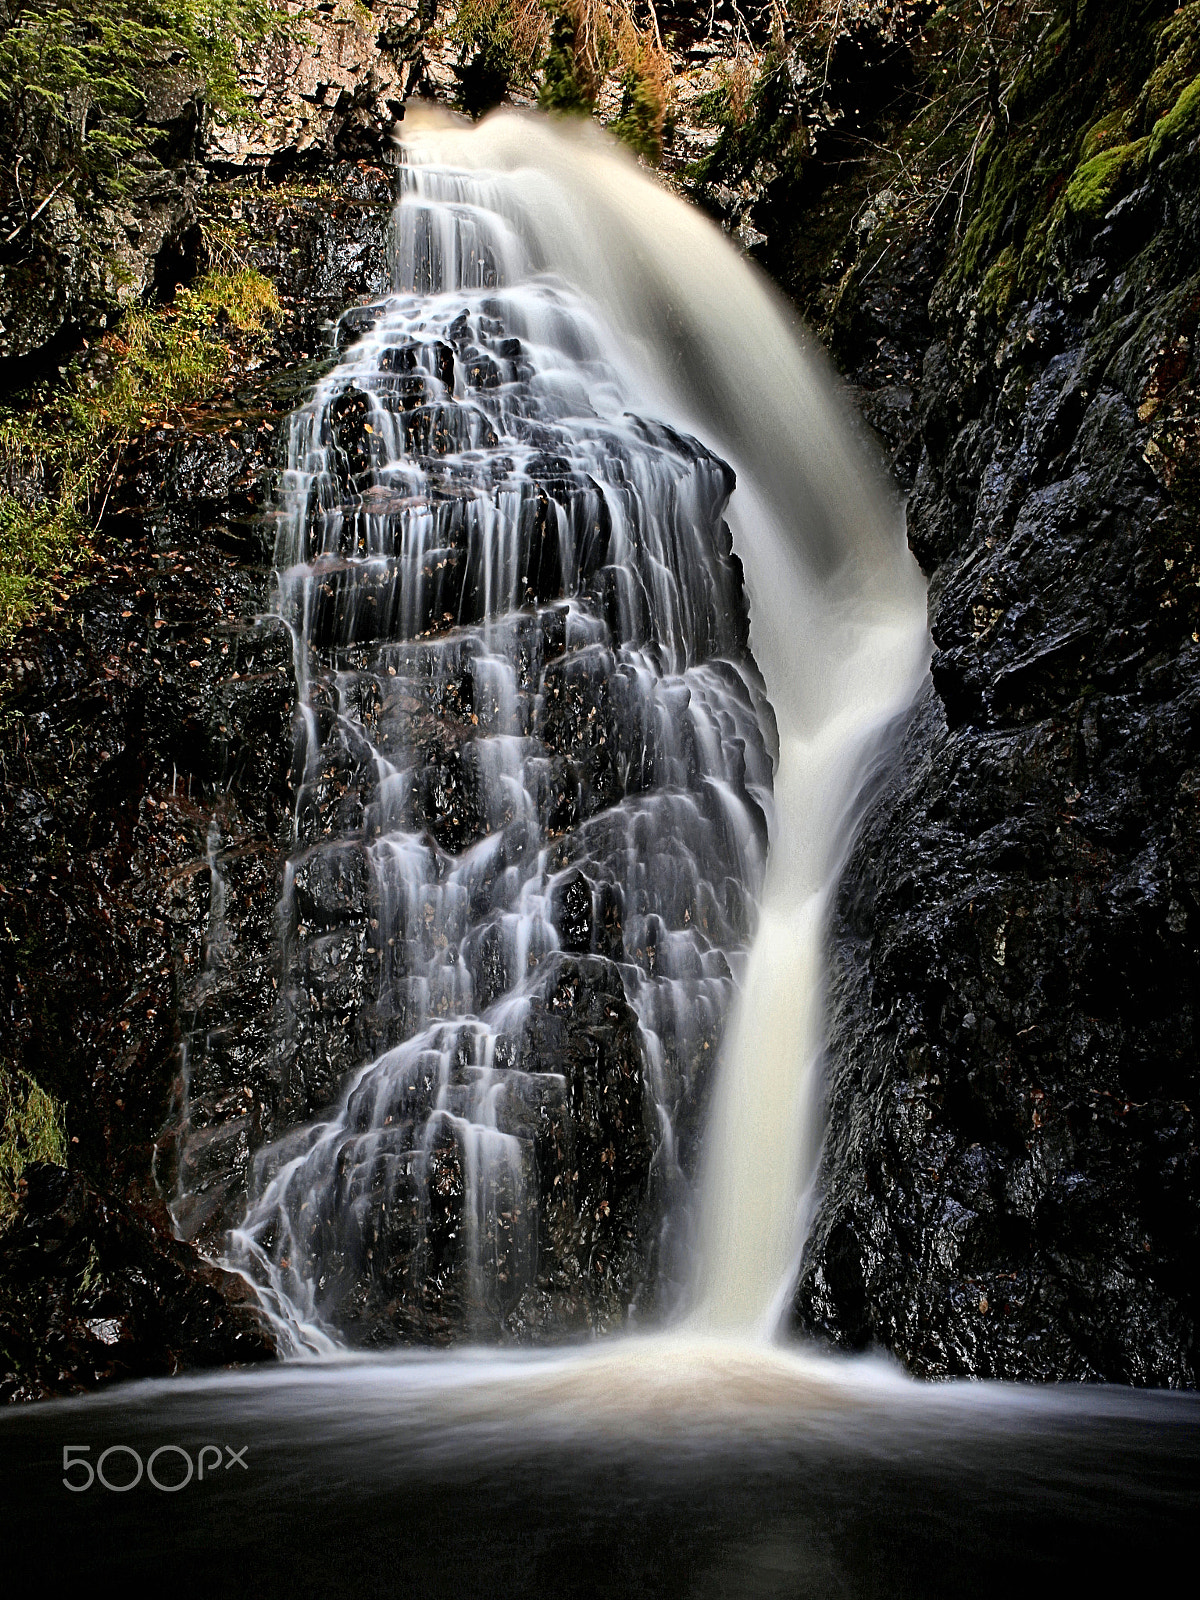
pixel 537 748
pixel 524 895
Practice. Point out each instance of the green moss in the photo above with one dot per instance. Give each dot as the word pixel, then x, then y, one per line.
pixel 1109 131
pixel 999 283
pixel 1006 165
pixel 1180 124
pixel 41 549
pixel 1177 61
pixel 245 297
pixel 1095 184
pixel 1068 149
pixel 60 452
pixel 32 1128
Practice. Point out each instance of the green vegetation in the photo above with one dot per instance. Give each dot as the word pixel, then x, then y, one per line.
pixel 728 103
pixel 1013 126
pixel 768 128
pixel 1110 131
pixel 590 41
pixel 89 93
pixel 639 121
pixel 569 48
pixel 42 546
pixel 1068 157
pixel 562 88
pixel 32 1128
pixel 645 89
pixel 86 86
pixel 60 453
pixel 501 44
pixel 1095 183
pixel 996 290
pixel 1180 123
pixel 1177 61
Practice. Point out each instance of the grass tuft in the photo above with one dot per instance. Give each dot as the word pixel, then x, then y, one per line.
pixel 32 1128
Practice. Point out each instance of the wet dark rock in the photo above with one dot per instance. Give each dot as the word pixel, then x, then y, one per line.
pixel 575 913
pixel 148 751
pixel 93 1289
pixel 586 1222
pixel 503 971
pixel 593 1150
pixel 332 886
pixel 81 265
pixel 1010 1173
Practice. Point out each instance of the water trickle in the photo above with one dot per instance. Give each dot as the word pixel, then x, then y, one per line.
pixel 536 762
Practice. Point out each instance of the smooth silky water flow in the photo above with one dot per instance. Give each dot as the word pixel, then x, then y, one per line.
pixel 611 328
pixel 554 309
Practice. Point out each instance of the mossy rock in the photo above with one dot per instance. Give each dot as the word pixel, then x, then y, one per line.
pixel 1006 165
pixel 157 359
pixel 1180 125
pixel 1177 61
pixel 32 1128
pixel 1110 132
pixel 1095 184
pixel 999 283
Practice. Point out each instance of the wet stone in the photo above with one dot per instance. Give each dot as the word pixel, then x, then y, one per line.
pixel 142 854
pixel 530 780
pixel 332 886
pixel 1009 1181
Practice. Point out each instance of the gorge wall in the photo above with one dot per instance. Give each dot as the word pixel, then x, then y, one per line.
pixel 147 759
pixel 1005 272
pixel 1010 1175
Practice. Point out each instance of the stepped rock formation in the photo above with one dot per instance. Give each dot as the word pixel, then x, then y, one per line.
pixel 529 826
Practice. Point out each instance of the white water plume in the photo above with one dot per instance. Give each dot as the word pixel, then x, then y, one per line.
pixel 561 329
pixel 837 628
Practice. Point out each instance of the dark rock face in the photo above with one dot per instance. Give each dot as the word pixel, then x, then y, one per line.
pixel 94 1290
pixel 566 1250
pixel 208 934
pixel 77 270
pixel 1011 1171
pixel 147 760
pixel 593 1152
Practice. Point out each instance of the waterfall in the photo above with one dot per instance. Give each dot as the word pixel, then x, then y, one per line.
pixel 540 755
